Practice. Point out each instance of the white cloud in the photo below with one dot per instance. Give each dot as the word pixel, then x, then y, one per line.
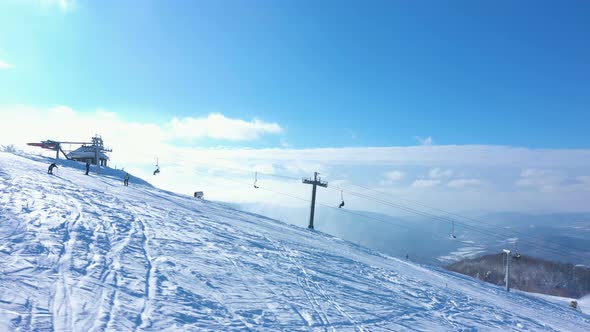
pixel 394 175
pixel 185 169
pixel 65 123
pixel 461 183
pixel 533 173
pixel 264 168
pixel 437 173
pixel 424 141
pixel 540 179
pixel 584 179
pixel 218 126
pixel 5 65
pixel 425 183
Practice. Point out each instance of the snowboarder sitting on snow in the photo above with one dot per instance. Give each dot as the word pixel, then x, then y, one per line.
pixel 87 167
pixel 51 167
pixel 126 181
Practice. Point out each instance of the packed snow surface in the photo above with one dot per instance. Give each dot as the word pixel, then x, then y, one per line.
pixel 583 302
pixel 85 253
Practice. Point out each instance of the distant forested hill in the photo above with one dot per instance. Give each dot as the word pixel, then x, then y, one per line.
pixel 529 274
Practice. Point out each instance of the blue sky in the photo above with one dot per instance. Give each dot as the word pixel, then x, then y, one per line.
pixel 332 74
pixel 463 105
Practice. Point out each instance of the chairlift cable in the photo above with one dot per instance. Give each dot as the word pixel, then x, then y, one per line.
pixel 442 218
pixel 466 226
pixel 325 205
pixel 504 228
pixel 505 231
pixel 433 216
pixel 428 215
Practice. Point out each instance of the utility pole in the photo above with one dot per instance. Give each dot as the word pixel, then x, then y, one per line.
pixel 315 182
pixel 507 252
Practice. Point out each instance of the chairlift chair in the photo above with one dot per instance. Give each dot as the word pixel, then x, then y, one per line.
pixel 157 167
pixel 255 180
pixel 452 233
pixel 517 254
pixel 342 199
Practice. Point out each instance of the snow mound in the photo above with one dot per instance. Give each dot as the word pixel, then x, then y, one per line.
pixel 85 253
pixel 584 304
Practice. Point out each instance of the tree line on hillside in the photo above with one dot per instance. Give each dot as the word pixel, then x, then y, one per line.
pixel 528 274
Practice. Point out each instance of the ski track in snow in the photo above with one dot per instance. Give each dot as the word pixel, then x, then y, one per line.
pixel 84 253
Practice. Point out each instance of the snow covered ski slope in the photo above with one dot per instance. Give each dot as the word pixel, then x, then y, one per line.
pixel 85 253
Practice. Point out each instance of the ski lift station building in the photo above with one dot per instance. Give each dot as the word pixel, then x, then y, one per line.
pixel 94 153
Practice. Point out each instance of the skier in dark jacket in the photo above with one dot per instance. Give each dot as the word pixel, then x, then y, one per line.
pixel 87 167
pixel 51 167
pixel 126 181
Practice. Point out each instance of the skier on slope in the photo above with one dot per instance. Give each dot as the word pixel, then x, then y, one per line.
pixel 126 181
pixel 51 167
pixel 87 167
